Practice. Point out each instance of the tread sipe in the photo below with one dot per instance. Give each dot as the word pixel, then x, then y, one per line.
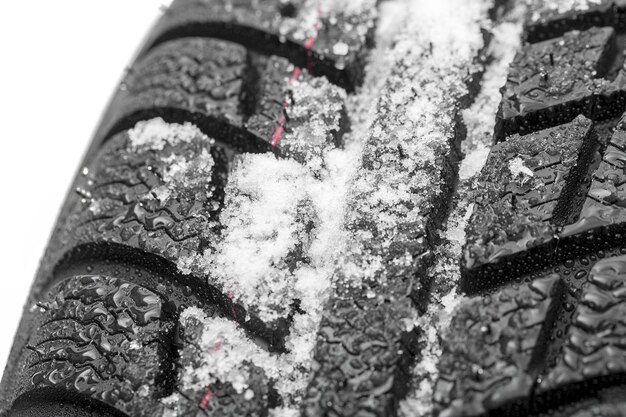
pixel 345 208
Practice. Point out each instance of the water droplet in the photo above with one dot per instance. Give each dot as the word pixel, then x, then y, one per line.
pixel 341 48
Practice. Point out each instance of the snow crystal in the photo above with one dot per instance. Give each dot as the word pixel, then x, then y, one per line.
pixel 183 173
pixel 473 162
pixel 155 133
pixel 341 48
pixel 517 168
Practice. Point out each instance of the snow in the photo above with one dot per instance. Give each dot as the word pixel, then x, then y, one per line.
pixel 272 206
pixel 225 349
pixel 292 227
pixel 315 114
pixel 155 133
pixel 282 231
pixel 517 168
pixel 268 213
pixel 341 48
pixel 473 162
pixel 183 173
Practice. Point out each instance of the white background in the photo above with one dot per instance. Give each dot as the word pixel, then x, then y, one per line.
pixel 59 64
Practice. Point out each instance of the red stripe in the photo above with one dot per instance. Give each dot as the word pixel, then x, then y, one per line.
pixel 308 44
pixel 205 398
pixel 294 75
pixel 233 313
pixel 276 136
pixel 311 39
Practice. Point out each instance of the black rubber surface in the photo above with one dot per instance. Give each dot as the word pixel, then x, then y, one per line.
pixel 542 329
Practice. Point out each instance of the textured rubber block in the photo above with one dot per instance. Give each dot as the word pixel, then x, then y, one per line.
pixel 593 355
pixel 330 42
pixel 247 102
pixel 103 339
pixel 494 348
pixel 157 188
pixel 529 187
pixel 604 210
pixel 364 353
pixel 552 82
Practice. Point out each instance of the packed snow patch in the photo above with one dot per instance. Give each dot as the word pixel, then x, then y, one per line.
pixel 156 133
pixel 283 227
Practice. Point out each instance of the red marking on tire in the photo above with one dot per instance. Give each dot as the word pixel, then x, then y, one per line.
pixel 233 313
pixel 279 129
pixel 205 398
pixel 208 393
pixel 216 346
pixel 308 44
pixel 294 75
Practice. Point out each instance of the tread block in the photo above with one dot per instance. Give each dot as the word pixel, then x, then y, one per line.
pixel 243 100
pixel 363 355
pixel 161 196
pixel 103 338
pixel 323 38
pixel 529 187
pixel 552 82
pixel 593 355
pixel 493 348
pixel 605 205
